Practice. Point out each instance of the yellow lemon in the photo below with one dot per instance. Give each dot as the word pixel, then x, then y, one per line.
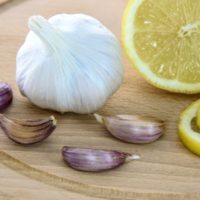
pixel 189 127
pixel 162 39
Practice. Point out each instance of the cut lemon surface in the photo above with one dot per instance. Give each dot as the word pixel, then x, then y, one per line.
pixel 189 130
pixel 162 39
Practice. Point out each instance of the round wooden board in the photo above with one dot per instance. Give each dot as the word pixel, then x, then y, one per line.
pixel 166 170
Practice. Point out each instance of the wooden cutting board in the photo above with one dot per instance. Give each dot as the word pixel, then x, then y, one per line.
pixel 166 170
pixel 3 2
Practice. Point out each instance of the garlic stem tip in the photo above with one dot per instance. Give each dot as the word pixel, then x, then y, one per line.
pixel 54 121
pixel 99 118
pixel 36 23
pixel 133 157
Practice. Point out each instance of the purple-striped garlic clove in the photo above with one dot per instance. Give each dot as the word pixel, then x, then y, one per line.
pixel 94 160
pixel 133 128
pixel 6 96
pixel 27 131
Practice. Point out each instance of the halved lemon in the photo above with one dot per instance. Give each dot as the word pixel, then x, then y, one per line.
pixel 189 130
pixel 162 39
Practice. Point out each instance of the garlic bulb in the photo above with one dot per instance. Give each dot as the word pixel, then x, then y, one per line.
pixel 70 63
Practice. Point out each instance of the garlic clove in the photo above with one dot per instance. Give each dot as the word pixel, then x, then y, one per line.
pixel 6 96
pixel 133 128
pixel 27 131
pixel 94 160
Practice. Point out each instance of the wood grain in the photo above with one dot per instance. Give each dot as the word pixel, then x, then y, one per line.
pixel 166 171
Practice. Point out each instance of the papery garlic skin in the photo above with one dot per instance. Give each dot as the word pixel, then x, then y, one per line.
pixel 70 63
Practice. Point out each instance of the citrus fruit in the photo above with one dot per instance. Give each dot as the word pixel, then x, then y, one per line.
pixel 162 39
pixel 189 130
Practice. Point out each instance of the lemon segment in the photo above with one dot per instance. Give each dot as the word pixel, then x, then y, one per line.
pixel 189 136
pixel 162 40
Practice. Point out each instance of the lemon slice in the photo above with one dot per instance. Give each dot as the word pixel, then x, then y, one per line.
pixel 189 127
pixel 198 118
pixel 162 39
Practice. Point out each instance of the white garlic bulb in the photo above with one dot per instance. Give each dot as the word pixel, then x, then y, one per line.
pixel 69 63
